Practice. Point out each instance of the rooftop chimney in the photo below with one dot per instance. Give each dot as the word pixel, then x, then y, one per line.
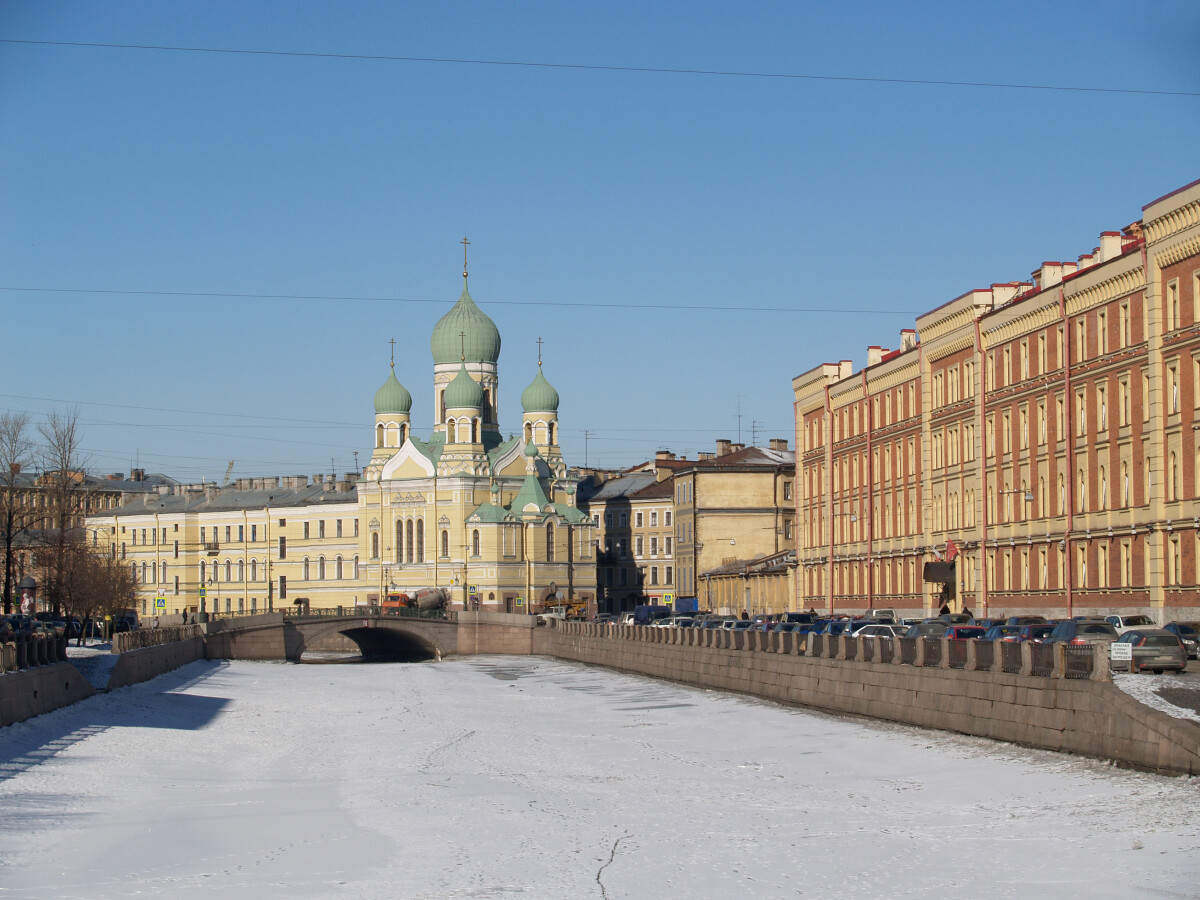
pixel 908 338
pixel 779 444
pixel 1110 246
pixel 874 355
pixel 723 446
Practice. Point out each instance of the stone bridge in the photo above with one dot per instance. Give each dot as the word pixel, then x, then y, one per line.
pixel 284 636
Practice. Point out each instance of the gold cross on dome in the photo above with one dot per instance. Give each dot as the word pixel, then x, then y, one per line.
pixel 393 343
pixel 539 343
pixel 465 244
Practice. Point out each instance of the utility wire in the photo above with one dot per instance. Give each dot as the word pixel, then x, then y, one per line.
pixel 338 298
pixel 652 70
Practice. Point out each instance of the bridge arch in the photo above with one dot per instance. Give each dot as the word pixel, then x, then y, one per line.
pixel 380 640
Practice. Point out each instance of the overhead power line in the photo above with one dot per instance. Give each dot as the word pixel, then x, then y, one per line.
pixel 651 70
pixel 331 298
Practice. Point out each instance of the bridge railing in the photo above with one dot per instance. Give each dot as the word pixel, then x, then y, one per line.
pixel 372 611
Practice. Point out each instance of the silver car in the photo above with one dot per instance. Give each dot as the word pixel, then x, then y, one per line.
pixel 1155 649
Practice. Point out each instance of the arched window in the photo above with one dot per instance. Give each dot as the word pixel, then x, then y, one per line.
pixel 398 553
pixel 254 570
pixel 445 544
pixel 475 542
pixel 356 568
pixel 144 571
pixel 403 434
pixel 241 570
pixel 320 568
pixel 451 431
pixel 441 406
pixel 164 573
pixel 474 431
pixel 528 432
pixel 1173 478
pixel 202 572
pixel 551 435
pixel 229 570
pixel 338 569
pixel 408 541
pixel 379 435
pixel 375 545
pixel 420 540
pixel 305 570
pixel 550 541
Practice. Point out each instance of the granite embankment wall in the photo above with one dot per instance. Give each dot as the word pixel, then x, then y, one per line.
pixel 31 692
pixel 136 666
pixel 1088 717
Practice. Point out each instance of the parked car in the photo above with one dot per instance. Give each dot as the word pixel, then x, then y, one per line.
pixel 1026 620
pixel 1008 633
pixel 965 632
pixel 932 628
pixel 794 627
pixel 1155 649
pixel 1083 632
pixel 1187 633
pixel 1035 634
pixel 739 625
pixel 1128 623
pixel 986 622
pixel 880 630
pixel 955 618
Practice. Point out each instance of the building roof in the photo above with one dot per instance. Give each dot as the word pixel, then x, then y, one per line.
pixel 214 499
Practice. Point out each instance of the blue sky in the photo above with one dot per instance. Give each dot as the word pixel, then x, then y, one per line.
pixel 684 244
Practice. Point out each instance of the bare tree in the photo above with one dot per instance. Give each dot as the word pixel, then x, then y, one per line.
pixel 16 453
pixel 65 483
pixel 93 584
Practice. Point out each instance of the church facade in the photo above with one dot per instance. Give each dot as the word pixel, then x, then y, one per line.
pixel 491 520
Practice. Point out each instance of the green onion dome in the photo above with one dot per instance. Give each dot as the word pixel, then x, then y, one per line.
pixel 465 331
pixel 540 396
pixel 530 449
pixel 464 391
pixel 392 398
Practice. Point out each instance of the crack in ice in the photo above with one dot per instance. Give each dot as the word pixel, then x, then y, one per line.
pixel 612 854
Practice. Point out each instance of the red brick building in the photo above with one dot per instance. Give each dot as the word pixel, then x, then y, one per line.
pixel 1039 437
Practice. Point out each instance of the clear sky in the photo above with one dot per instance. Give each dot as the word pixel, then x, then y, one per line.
pixel 683 243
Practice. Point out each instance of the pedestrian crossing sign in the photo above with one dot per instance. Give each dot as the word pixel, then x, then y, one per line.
pixel 160 602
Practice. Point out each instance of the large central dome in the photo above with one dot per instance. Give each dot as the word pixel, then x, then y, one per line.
pixel 465 331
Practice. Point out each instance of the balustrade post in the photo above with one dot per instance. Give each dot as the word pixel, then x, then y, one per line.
pixel 1101 671
pixel 944 662
pixel 1060 660
pixel 1026 658
pixel 919 656
pixel 972 656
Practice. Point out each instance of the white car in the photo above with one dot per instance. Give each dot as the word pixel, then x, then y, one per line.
pixel 1129 623
pixel 880 631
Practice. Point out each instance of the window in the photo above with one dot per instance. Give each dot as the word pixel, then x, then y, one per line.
pixel 1123 402
pixel 1102 408
pixel 637 543
pixel 254 570
pixel 282 587
pixel 475 543
pixel 1124 330
pixel 653 519
pixel 320 528
pixel 374 545
pixel 338 568
pixel 306 530
pixel 1172 306
pixel 654 574
pixel 283 547
pixel 667 546
pixel 228 533
pixel 320 568
pixel 1173 387
pixel 338 527
pixel 241 570
pixel 654 546
pixel 304 568
pixel 638 520
pixel 253 533
pixel 445 545
pixel 241 534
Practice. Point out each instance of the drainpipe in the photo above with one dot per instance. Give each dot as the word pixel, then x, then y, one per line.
pixel 981 396
pixel 870 494
pixel 829 479
pixel 1069 428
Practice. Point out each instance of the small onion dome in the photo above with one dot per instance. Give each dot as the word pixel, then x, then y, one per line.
pixel 540 396
pixel 495 488
pixel 530 449
pixel 465 331
pixel 393 398
pixel 464 391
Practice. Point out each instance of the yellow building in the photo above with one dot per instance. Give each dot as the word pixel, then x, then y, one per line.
pixel 490 521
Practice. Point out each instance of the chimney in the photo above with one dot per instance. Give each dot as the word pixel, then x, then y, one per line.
pixel 874 355
pixel 663 454
pixel 702 456
pixel 351 478
pixel 734 448
pixel 845 368
pixel 908 338
pixel 779 444
pixel 1110 246
pixel 723 446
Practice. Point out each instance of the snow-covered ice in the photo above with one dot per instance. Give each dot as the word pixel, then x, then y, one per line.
pixel 498 777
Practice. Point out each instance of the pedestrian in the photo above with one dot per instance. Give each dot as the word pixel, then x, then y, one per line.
pixel 745 615
pixel 156 622
pixel 967 612
pixel 945 610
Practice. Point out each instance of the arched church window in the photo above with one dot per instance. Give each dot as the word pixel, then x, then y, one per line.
pixel 451 433
pixel 551 441
pixel 228 570
pixel 442 406
pixel 379 435
pixel 445 544
pixel 254 570
pixel 487 406
pixel 528 432
pixel 549 541
pixel 420 540
pixel 321 568
pixel 408 542
pixel 304 569
pixel 474 431
pixel 375 546
pixel 241 570
pixel 338 569
pixel 355 567
pixel 403 434
pixel 475 542
pixel 398 553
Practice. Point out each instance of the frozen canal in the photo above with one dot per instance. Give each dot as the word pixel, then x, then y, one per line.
pixel 513 777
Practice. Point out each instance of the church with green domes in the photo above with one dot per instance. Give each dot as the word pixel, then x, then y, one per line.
pixel 491 520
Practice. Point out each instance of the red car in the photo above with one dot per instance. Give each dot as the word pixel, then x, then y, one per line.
pixel 965 632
